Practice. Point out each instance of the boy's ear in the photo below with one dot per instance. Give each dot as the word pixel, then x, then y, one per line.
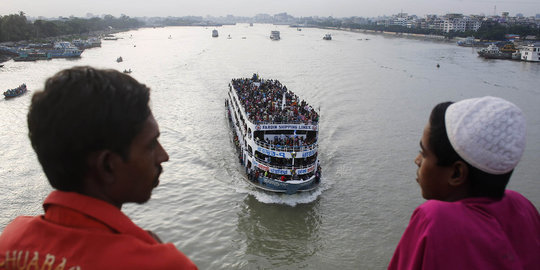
pixel 460 173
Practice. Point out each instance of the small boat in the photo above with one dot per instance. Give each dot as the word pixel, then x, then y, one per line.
pixel 274 35
pixel 215 33
pixel 15 92
pixel 127 71
pixel 250 24
pixel 327 37
pixel 276 142
pixel 229 37
pixel 119 59
pixel 530 53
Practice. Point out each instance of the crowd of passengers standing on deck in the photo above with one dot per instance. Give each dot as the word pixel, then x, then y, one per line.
pixel 264 103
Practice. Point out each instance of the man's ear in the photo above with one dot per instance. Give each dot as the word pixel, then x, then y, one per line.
pixel 460 173
pixel 101 163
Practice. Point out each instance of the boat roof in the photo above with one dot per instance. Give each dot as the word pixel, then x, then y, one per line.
pixel 268 101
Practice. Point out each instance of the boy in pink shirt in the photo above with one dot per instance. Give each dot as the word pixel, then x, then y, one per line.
pixel 469 150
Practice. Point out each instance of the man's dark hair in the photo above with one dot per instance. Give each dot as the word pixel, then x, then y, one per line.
pixel 82 110
pixel 483 184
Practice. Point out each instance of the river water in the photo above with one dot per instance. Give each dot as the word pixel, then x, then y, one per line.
pixel 374 93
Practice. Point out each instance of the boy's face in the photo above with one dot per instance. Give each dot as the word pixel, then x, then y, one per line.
pixel 432 178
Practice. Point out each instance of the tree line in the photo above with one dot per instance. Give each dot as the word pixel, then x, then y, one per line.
pixel 16 27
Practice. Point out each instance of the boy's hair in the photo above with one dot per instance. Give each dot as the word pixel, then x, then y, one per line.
pixel 482 184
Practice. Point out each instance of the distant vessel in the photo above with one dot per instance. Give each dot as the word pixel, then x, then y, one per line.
pixel 110 37
pixel 21 89
pixel 276 140
pixel 31 55
pixel 494 52
pixel 471 42
pixel 274 35
pixel 119 59
pixel 87 43
pixel 64 49
pixel 215 33
pixel 327 37
pixel 530 53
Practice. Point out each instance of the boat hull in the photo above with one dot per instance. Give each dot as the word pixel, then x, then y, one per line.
pixel 269 184
pixel 272 185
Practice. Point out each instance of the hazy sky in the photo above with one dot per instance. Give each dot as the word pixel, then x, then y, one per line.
pixel 249 8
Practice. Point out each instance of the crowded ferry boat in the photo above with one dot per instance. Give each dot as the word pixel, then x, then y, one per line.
pixel 275 134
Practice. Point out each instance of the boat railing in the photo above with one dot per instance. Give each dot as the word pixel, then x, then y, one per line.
pixel 286 148
pixel 296 181
pixel 310 122
pixel 262 161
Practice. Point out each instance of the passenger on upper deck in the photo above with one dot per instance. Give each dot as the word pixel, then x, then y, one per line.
pixel 266 104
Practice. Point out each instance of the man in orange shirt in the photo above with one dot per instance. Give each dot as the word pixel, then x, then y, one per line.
pixel 97 141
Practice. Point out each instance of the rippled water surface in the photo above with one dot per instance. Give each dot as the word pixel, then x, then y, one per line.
pixel 374 92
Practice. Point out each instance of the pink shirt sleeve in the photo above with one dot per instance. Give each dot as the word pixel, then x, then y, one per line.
pixel 410 251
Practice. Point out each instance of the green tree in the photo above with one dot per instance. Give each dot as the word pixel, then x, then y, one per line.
pixel 15 27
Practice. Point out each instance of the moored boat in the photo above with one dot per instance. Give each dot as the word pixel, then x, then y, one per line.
pixel 64 49
pixel 110 37
pixel 471 42
pixel 530 53
pixel 327 37
pixel 275 135
pixel 32 55
pixel 494 52
pixel 10 93
pixel 215 33
pixel 82 44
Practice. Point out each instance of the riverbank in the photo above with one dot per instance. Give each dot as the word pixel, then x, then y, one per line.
pixel 7 49
pixel 397 34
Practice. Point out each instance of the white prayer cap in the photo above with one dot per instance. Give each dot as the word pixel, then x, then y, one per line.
pixel 487 132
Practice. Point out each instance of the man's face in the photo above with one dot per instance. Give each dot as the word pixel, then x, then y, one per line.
pixel 139 174
pixel 432 178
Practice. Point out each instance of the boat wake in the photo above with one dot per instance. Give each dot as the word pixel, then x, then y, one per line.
pixel 278 198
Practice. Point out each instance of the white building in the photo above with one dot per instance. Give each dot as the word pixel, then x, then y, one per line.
pixel 460 24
